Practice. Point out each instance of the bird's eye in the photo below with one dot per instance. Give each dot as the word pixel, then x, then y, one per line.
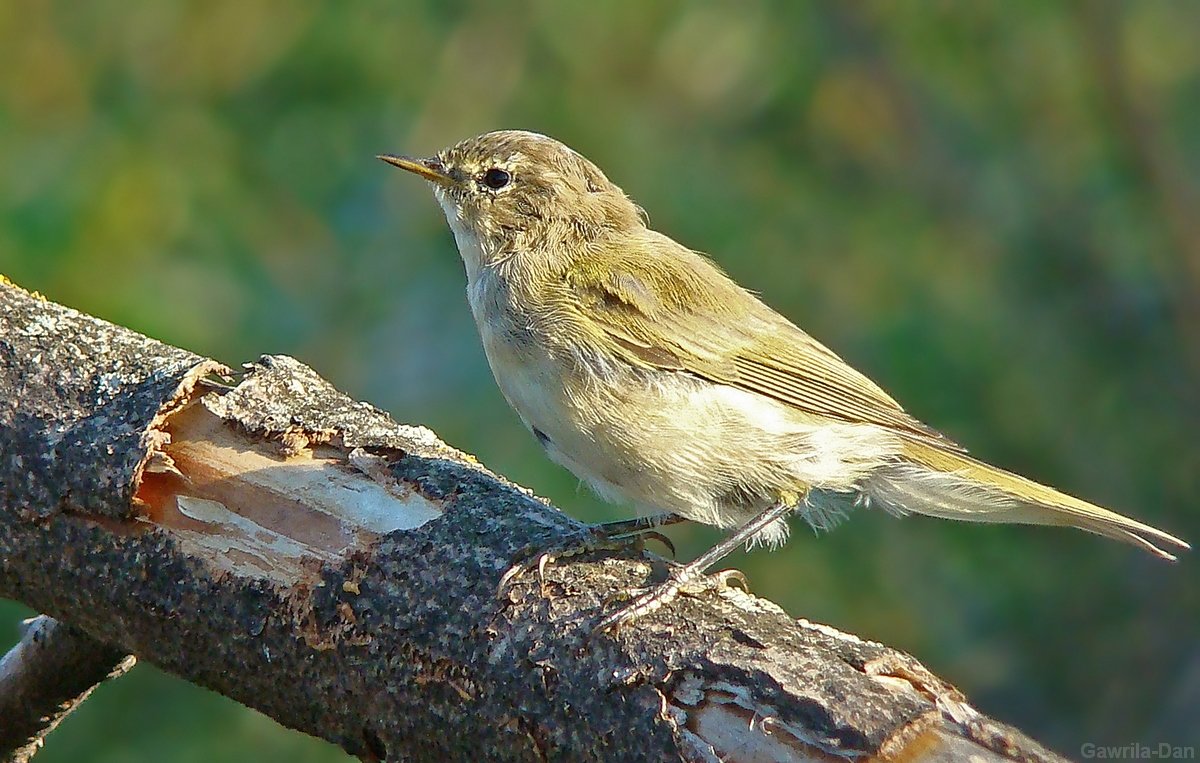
pixel 496 178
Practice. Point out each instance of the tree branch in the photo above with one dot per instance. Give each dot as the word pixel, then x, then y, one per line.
pixel 305 555
pixel 50 672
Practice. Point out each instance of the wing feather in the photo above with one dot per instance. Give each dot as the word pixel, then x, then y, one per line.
pixel 665 312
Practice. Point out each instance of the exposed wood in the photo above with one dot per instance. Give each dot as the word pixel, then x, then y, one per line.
pixel 302 553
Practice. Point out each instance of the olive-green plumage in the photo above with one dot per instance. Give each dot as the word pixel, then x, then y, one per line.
pixel 654 377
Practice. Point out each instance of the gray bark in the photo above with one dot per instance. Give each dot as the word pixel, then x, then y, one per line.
pixel 51 670
pixel 304 554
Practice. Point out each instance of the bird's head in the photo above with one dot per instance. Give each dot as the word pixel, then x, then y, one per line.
pixel 516 193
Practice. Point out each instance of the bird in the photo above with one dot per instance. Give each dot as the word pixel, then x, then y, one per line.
pixel 645 370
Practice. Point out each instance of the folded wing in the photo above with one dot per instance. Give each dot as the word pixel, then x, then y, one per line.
pixel 677 311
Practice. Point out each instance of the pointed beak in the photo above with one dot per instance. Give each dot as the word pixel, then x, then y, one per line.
pixel 430 169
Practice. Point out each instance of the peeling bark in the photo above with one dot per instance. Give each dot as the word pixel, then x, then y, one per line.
pixel 307 556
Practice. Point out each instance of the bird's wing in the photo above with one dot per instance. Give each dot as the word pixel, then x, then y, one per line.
pixel 663 312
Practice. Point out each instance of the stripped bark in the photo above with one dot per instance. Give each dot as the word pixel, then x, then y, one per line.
pixel 305 555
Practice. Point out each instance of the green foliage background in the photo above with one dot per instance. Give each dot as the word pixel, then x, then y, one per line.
pixel 990 207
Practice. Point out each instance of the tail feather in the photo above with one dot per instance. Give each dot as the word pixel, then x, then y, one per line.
pixel 930 480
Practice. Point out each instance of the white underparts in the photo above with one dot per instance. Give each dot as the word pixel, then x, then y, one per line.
pixel 907 487
pixel 669 441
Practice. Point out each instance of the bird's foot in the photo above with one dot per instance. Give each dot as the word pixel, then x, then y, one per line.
pixel 685 579
pixel 611 536
pixel 688 580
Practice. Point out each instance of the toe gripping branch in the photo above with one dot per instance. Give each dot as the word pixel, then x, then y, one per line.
pixel 614 537
pixel 619 536
pixel 685 579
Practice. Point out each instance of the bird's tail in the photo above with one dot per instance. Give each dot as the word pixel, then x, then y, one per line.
pixel 929 480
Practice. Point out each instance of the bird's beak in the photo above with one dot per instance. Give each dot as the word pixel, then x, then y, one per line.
pixel 430 169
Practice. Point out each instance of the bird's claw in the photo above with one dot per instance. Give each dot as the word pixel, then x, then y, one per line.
pixel 647 600
pixel 589 540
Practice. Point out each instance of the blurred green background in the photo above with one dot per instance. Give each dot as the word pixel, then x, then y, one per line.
pixel 992 208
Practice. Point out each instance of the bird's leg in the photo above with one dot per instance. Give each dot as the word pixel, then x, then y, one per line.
pixel 606 536
pixel 681 577
pixel 636 525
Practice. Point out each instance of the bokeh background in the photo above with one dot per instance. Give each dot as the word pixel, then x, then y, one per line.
pixel 990 207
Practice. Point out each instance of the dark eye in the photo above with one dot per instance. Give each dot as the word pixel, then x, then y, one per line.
pixel 496 178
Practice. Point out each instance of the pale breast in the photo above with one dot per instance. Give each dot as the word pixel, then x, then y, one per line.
pixel 663 440
pixel 526 372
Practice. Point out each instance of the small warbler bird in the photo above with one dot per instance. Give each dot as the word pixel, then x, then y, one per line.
pixel 645 370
